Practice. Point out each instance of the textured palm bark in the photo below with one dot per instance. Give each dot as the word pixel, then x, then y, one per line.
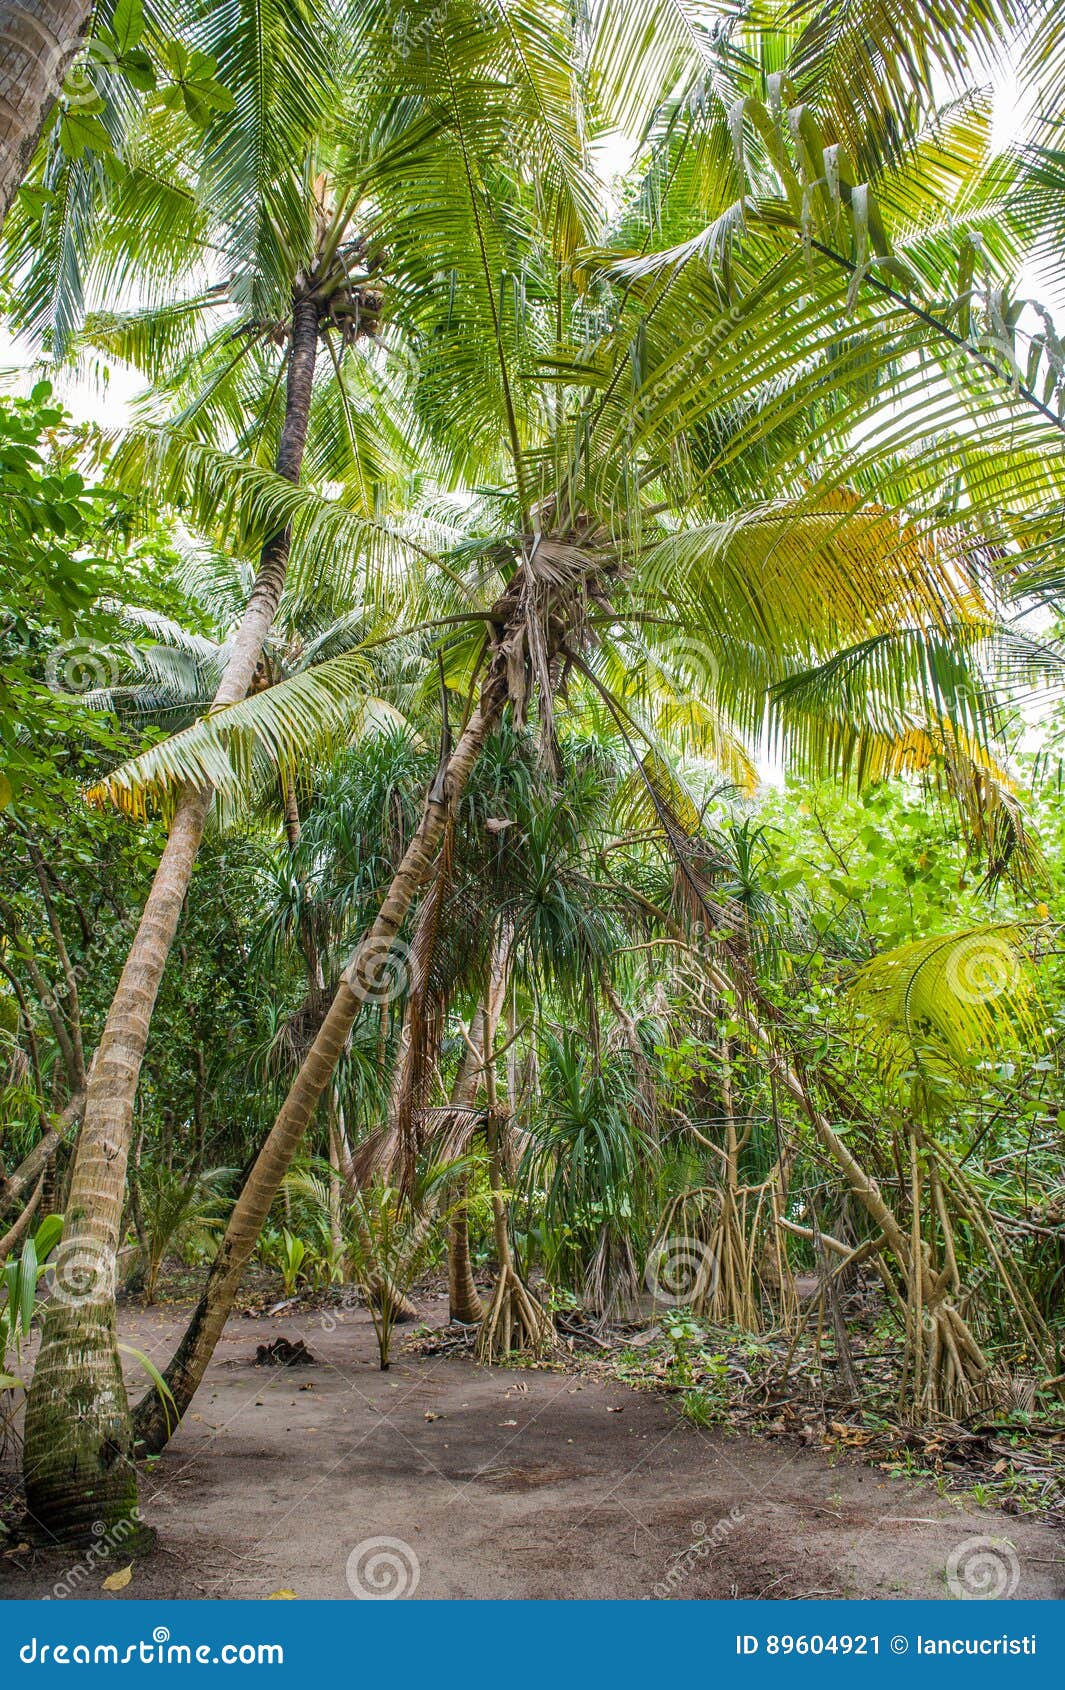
pixel 362 979
pixel 77 1459
pixel 37 42
pixel 464 1299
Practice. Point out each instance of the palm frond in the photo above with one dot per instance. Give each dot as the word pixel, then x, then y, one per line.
pixel 288 723
pixel 951 999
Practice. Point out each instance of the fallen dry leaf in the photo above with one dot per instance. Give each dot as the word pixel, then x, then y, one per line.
pixel 282 1596
pixel 119 1580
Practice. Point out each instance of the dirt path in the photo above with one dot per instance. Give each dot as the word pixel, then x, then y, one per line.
pixel 506 1483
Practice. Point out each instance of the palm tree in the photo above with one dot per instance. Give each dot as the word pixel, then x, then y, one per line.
pixel 248 190
pixel 669 447
pixel 667 502
pixel 251 193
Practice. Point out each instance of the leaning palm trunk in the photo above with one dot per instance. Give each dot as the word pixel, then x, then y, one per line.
pixel 40 1157
pixel 368 970
pixel 545 603
pixel 15 1234
pixel 77 1465
pixel 38 40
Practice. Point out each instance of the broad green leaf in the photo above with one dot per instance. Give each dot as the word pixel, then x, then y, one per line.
pixel 127 24
pixel 79 131
pixel 28 1283
pixel 47 1237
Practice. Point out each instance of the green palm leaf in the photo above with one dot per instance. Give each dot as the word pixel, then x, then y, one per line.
pixel 287 724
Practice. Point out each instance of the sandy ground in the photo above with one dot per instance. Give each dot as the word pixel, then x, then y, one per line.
pixel 509 1483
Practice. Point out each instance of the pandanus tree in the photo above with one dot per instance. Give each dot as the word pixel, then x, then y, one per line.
pixel 681 512
pixel 512 909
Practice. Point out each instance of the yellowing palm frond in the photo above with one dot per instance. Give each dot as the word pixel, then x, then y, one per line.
pixel 952 999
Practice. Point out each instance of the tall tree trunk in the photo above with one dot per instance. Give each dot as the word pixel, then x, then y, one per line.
pixel 79 1439
pixel 464 1302
pixel 336 1235
pixel 363 977
pixel 37 42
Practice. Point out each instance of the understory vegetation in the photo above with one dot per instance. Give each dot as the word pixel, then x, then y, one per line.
pixel 532 746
